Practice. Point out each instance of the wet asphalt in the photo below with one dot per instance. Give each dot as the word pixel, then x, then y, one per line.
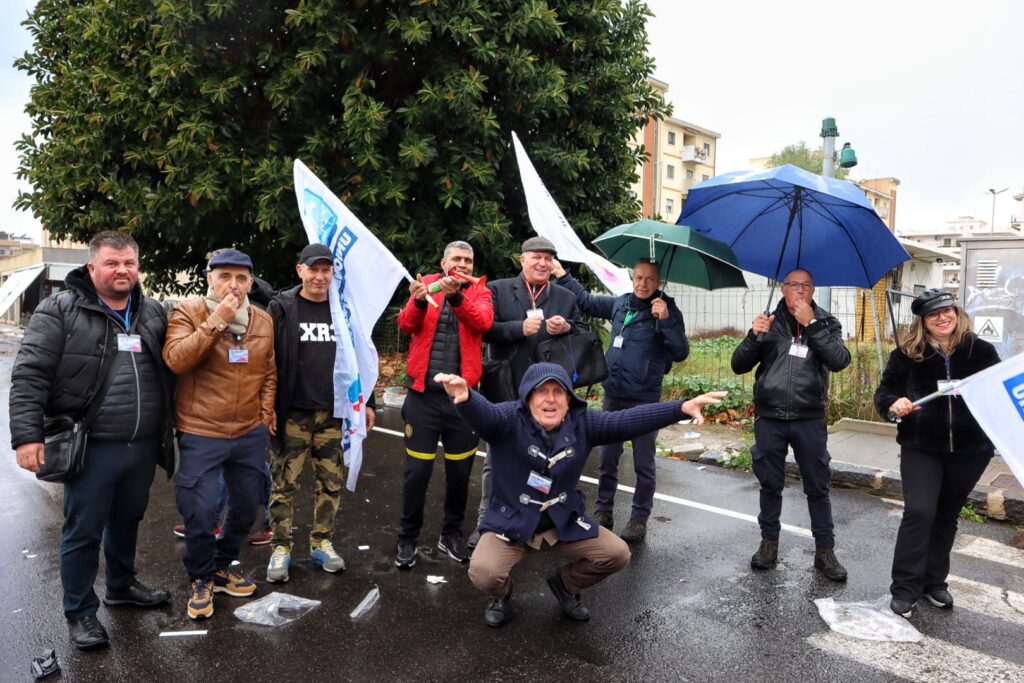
pixel 687 608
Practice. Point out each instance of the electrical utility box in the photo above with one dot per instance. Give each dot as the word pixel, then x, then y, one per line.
pixel 992 290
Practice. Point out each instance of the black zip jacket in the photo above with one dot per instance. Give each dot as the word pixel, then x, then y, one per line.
pixel 68 347
pixel 945 424
pixel 787 387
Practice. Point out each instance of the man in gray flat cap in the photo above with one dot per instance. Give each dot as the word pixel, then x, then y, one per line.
pixel 528 309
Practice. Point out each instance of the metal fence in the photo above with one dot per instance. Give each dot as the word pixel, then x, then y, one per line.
pixel 716 322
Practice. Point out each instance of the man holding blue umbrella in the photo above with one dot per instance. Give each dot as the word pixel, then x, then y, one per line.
pixel 794 349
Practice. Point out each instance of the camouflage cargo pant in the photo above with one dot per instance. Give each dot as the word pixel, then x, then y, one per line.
pixel 319 433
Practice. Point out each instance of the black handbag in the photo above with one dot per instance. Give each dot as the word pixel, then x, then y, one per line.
pixel 496 381
pixel 65 438
pixel 579 352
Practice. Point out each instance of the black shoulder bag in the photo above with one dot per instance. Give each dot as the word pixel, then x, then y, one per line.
pixel 64 438
pixel 579 352
pixel 496 381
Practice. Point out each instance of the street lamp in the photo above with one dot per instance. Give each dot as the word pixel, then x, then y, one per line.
pixel 847 158
pixel 992 226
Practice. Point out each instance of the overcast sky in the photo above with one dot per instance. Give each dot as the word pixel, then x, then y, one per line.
pixel 929 92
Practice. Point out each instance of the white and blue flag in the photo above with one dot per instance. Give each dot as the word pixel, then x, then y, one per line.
pixel 365 277
pixel 996 399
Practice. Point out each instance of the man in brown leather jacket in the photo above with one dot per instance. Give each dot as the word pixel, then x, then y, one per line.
pixel 222 350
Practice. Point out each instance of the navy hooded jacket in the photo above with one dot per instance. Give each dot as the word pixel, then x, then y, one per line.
pixel 519 446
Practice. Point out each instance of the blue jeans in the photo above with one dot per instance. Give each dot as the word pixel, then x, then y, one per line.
pixel 204 459
pixel 104 503
pixel 643 466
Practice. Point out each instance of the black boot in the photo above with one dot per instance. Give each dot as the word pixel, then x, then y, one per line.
pixel 88 633
pixel 766 556
pixel 825 561
pixel 498 612
pixel 572 606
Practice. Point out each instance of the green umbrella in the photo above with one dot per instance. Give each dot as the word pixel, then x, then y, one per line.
pixel 685 256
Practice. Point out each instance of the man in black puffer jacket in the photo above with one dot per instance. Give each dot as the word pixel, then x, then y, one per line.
pixel 794 350
pixel 73 340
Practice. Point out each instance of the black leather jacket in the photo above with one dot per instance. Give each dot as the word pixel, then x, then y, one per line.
pixel 787 387
pixel 69 344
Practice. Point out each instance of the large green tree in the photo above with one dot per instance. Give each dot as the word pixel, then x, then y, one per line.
pixel 178 120
pixel 807 159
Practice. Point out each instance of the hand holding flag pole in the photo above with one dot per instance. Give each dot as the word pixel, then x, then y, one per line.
pixel 951 389
pixel 411 280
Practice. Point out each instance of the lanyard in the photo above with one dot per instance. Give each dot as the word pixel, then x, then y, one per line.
pixel 529 290
pixel 126 320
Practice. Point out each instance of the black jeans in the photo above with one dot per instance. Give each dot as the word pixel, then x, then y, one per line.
pixel 808 438
pixel 935 488
pixel 105 503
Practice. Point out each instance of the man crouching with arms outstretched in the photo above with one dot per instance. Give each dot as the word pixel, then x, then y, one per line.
pixel 540 445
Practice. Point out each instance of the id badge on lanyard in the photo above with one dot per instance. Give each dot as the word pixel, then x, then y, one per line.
pixel 132 343
pixel 238 354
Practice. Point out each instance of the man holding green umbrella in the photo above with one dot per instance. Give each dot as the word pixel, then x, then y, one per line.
pixel 648 335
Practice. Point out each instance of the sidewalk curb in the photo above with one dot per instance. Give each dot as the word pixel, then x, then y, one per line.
pixel 991 501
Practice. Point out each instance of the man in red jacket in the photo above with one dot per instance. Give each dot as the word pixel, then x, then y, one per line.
pixel 446 338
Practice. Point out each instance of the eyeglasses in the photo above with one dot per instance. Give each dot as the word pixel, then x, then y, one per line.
pixel 798 285
pixel 947 311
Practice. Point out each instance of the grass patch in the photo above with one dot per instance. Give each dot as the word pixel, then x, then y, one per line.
pixel 969 513
pixel 742 461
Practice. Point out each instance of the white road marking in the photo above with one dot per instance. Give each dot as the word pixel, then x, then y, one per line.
pixel 991 601
pixel 799 531
pixel 926 662
pixel 171 634
pixel 986 549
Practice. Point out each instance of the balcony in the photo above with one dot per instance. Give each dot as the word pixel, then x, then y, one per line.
pixel 693 154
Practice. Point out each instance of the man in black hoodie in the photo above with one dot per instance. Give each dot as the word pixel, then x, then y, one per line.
pixel 794 350
pixel 101 324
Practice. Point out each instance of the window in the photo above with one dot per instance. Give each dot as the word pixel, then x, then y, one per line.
pixel 707 150
pixel 670 171
pixel 689 174
pixel 672 137
pixel 703 178
pixel 947 242
pixel 669 206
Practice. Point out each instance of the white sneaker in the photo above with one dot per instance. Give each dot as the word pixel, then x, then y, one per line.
pixel 325 556
pixel 277 568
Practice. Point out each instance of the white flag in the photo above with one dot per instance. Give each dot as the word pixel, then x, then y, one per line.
pixel 996 398
pixel 365 277
pixel 548 221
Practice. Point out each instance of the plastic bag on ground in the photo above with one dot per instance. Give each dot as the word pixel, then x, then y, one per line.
pixel 367 603
pixel 867 620
pixel 275 609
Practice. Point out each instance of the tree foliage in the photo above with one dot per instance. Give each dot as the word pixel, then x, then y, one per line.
pixel 178 120
pixel 807 159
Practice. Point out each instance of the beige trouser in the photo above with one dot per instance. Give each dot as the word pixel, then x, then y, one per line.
pixel 595 559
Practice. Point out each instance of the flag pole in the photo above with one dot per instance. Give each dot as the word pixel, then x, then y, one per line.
pixel 429 298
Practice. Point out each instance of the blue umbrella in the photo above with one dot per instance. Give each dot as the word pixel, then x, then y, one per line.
pixel 785 218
